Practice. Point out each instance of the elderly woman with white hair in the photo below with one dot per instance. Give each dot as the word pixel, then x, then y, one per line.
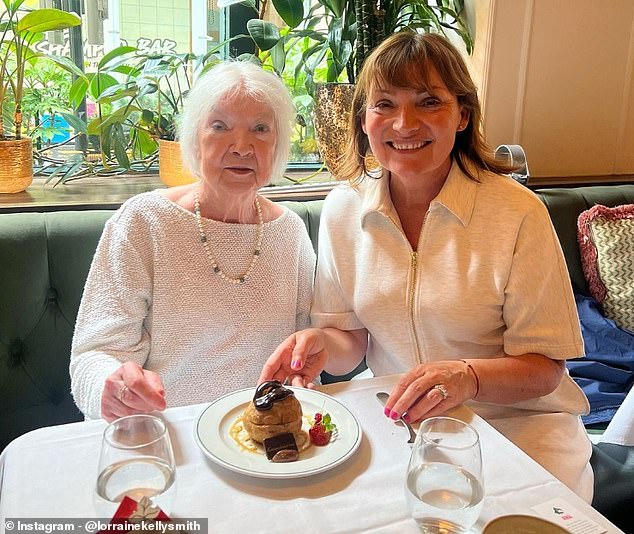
pixel 191 288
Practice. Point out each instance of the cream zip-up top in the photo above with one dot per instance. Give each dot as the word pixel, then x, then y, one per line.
pixel 488 278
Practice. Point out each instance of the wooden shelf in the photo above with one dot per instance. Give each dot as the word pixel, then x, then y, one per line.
pixel 84 194
pixel 111 192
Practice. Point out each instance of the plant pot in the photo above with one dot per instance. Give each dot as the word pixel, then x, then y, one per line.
pixel 333 102
pixel 171 169
pixel 16 165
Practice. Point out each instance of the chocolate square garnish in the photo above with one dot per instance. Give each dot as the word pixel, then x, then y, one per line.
pixel 281 448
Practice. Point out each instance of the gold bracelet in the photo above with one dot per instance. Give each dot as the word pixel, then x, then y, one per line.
pixel 475 375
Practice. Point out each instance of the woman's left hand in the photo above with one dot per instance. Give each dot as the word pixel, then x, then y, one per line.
pixel 431 389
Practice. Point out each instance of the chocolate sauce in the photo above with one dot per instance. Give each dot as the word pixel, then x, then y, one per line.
pixel 267 393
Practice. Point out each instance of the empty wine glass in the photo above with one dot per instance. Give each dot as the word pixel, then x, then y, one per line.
pixel 444 486
pixel 136 461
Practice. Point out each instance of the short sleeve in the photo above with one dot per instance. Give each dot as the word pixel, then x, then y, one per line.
pixel 539 306
pixel 330 307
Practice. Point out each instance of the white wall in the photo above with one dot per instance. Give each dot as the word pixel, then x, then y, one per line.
pixel 557 77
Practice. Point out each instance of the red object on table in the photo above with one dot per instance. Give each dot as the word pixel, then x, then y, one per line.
pixel 135 512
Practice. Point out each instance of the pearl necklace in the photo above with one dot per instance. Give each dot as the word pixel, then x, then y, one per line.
pixel 214 263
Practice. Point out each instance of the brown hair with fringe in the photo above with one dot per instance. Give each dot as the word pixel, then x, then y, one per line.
pixel 403 60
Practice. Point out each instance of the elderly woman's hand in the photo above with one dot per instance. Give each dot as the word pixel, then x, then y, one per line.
pixel 300 358
pixel 431 389
pixel 131 390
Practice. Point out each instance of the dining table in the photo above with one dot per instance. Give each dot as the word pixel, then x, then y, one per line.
pixel 51 473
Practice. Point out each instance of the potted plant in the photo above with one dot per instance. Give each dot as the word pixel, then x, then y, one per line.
pixel 340 34
pixel 144 94
pixel 19 30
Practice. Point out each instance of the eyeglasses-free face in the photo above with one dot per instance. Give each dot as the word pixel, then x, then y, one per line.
pixel 236 145
pixel 412 132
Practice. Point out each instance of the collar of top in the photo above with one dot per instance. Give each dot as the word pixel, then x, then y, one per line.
pixel 458 196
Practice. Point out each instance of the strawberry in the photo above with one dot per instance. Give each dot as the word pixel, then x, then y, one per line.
pixel 321 432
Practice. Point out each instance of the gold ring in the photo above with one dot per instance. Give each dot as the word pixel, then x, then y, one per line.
pixel 442 390
pixel 121 392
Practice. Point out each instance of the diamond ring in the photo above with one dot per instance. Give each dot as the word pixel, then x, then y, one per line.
pixel 442 390
pixel 121 392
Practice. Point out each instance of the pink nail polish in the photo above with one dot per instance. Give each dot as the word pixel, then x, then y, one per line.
pixel 387 412
pixel 295 364
pixel 394 415
pixel 406 418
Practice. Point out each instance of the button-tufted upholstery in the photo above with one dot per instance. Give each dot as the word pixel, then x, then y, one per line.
pixel 44 260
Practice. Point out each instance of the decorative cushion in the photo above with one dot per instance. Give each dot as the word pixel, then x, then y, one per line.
pixel 606 244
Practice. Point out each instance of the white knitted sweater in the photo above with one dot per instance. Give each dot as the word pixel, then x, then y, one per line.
pixel 151 297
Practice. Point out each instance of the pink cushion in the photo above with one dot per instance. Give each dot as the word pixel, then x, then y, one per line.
pixel 606 244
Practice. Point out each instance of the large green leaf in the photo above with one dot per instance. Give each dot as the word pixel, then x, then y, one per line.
pixel 291 11
pixel 264 34
pixel 147 116
pixel 278 56
pixel 148 87
pixel 335 6
pixel 115 53
pixel 145 143
pixel 312 34
pixel 101 124
pixel 120 144
pixel 44 20
pixel 77 124
pixel 105 139
pixel 13 5
pixel 67 64
pixel 128 70
pixel 305 64
pixel 72 169
pixel 99 83
pixel 114 93
pixel 77 91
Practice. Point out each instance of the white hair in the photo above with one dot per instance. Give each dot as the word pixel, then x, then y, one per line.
pixel 228 79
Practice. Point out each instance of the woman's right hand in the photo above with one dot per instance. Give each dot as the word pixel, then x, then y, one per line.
pixel 131 390
pixel 300 358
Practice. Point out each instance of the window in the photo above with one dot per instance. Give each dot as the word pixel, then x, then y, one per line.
pixel 154 28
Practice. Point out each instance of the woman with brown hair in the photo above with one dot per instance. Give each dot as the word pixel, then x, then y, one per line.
pixel 435 265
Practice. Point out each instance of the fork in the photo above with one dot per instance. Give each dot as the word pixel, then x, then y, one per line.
pixel 382 398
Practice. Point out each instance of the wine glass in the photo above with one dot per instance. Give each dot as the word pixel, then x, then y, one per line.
pixel 136 461
pixel 444 487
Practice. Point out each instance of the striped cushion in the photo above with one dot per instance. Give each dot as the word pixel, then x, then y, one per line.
pixel 606 243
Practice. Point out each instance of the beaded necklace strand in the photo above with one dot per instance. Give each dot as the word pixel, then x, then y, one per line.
pixel 214 263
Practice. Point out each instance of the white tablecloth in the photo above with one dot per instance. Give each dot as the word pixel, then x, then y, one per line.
pixel 51 472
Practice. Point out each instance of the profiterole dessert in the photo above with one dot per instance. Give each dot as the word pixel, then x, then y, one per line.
pixel 273 424
pixel 273 411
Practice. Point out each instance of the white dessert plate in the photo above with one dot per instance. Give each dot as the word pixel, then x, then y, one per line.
pixel 211 433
